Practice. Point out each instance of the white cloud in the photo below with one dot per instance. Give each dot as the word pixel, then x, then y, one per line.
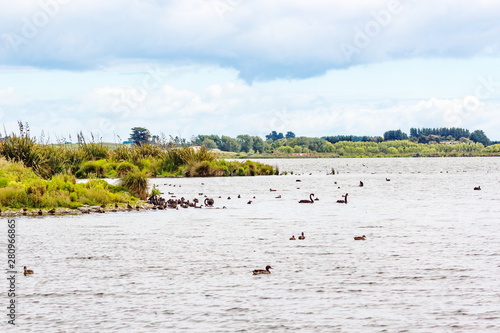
pixel 261 39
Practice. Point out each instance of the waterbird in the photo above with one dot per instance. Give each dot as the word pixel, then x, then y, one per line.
pixel 343 200
pixel 308 201
pixel 52 211
pixel 361 184
pixel 209 202
pixel 262 271
pixel 360 237
pixel 27 271
pixel 477 188
pixel 301 237
pixel 387 179
pixel 292 238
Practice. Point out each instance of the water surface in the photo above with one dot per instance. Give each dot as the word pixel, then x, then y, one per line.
pixel 430 263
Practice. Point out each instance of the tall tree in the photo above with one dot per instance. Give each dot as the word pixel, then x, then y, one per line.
pixel 479 136
pixel 289 135
pixel 140 136
pixel 395 135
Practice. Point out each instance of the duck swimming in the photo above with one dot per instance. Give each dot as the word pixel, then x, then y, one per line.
pixel 360 237
pixel 292 238
pixel 262 271
pixel 27 271
pixel 301 237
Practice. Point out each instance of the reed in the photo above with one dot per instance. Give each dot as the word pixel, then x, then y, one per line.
pixel 137 183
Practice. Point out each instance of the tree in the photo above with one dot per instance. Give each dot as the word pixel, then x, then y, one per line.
pixel 229 144
pixel 290 135
pixel 395 135
pixel 209 143
pixel 246 142
pixel 139 136
pixel 479 136
pixel 274 136
pixel 258 144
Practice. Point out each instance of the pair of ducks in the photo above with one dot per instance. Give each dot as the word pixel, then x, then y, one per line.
pixel 267 270
pixel 301 237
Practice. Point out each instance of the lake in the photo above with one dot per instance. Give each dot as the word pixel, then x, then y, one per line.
pixel 430 261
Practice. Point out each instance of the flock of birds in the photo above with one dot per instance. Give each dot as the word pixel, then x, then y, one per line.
pixel 159 202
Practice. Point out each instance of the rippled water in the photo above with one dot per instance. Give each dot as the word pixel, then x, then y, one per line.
pixel 430 263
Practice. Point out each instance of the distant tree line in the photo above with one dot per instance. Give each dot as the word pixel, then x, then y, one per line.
pixel 289 143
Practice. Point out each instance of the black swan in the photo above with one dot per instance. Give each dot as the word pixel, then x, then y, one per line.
pixel 308 201
pixel 343 200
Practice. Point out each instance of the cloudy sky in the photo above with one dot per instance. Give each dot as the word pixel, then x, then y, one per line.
pixel 229 67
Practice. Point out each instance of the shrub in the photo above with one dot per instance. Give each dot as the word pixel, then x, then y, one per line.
pixel 125 167
pixel 137 183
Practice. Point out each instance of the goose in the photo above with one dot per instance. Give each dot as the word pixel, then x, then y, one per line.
pixel 301 237
pixel 292 238
pixel 27 271
pixel 360 237
pixel 477 188
pixel 52 211
pixel 262 271
pixel 308 201
pixel 343 200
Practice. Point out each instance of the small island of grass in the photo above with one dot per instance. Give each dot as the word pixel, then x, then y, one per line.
pixel 37 176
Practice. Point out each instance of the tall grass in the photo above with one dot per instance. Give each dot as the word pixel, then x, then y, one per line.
pixel 137 183
pixel 23 188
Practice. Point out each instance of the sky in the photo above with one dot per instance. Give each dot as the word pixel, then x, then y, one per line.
pixel 231 67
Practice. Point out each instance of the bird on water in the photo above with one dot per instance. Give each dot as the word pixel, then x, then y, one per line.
pixel 308 201
pixel 262 271
pixel 27 271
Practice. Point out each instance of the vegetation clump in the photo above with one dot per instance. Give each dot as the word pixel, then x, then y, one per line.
pixel 20 187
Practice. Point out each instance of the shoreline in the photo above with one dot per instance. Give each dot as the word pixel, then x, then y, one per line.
pixel 69 211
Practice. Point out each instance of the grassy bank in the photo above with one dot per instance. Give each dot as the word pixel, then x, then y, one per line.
pixel 98 160
pixel 21 188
